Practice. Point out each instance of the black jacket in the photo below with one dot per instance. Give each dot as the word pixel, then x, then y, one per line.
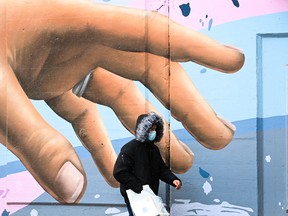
pixel 139 161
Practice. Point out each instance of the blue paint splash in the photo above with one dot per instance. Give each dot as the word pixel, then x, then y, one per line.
pixel 204 70
pixel 210 24
pixel 185 9
pixel 5 213
pixel 236 3
pixel 202 22
pixel 203 173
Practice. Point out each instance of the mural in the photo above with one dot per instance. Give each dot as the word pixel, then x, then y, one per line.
pixel 76 74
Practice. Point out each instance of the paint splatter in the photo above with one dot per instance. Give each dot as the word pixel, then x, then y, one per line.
pixel 210 24
pixel 207 187
pixel 5 194
pixel 268 158
pixel 282 207
pixel 106 0
pixel 216 200
pixel 196 208
pixel 204 70
pixel 97 196
pixel 34 212
pixel 185 9
pixel 122 214
pixel 5 213
pixel 112 211
pixel 236 3
pixel 203 173
pixel 202 22
pixel 163 5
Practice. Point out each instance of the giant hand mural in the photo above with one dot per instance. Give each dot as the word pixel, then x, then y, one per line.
pixel 65 61
pixel 48 51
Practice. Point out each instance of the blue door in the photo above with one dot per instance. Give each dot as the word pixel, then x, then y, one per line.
pixel 272 76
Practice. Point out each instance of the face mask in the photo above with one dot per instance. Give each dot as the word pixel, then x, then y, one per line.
pixel 151 135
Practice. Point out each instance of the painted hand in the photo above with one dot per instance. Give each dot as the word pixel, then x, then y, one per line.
pixel 45 52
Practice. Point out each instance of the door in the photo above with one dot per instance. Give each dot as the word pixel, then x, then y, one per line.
pixel 272 77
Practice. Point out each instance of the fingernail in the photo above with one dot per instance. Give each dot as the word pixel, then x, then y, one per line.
pixel 227 123
pixel 235 48
pixel 69 183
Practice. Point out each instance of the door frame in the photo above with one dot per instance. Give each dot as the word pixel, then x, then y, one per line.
pixel 260 130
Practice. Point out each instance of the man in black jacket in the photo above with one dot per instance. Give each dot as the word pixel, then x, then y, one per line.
pixel 139 161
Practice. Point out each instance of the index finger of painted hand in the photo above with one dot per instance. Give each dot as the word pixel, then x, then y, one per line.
pixel 88 125
pixel 139 30
pixel 124 29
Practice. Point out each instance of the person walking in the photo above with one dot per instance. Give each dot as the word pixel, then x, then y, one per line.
pixel 139 161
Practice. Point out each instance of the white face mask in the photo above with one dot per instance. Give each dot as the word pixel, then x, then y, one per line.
pixel 151 135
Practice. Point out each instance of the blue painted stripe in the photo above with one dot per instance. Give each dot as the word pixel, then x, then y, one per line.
pixel 243 126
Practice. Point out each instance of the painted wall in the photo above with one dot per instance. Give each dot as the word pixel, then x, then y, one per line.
pixel 249 176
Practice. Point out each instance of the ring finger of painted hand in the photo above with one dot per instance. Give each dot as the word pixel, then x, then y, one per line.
pixel 171 85
pixel 128 103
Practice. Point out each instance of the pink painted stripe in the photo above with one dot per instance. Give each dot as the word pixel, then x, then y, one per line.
pixel 220 11
pixel 19 187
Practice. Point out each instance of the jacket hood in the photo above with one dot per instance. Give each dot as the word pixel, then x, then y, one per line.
pixel 145 122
